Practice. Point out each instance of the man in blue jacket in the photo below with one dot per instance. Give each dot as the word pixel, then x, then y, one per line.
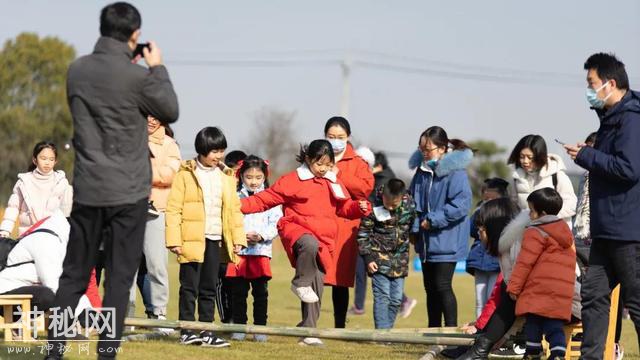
pixel 614 190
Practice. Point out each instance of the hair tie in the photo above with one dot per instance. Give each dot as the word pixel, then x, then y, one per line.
pixel 237 172
pixel 266 163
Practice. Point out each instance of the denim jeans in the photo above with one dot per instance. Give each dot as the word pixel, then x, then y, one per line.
pixel 485 280
pixel 387 298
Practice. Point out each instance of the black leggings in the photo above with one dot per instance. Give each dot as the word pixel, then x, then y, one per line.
pixel 340 297
pixel 240 292
pixel 42 299
pixel 503 317
pixel 441 301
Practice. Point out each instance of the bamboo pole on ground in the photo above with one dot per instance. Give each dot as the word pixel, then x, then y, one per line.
pixel 432 337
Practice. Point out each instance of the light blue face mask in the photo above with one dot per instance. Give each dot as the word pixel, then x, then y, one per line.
pixel 592 97
pixel 431 164
pixel 338 145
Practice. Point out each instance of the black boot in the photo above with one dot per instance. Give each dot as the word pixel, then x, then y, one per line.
pixel 479 351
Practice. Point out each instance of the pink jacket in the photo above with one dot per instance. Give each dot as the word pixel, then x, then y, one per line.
pixel 36 196
pixel 164 165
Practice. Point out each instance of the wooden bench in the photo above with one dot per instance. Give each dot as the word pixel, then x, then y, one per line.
pixel 8 302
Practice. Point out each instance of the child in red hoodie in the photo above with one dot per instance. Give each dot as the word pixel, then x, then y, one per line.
pixel 311 197
pixel 542 281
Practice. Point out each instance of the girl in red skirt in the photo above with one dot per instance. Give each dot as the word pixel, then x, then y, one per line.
pixel 254 269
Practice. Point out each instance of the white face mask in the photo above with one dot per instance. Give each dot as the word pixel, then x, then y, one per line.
pixel 338 145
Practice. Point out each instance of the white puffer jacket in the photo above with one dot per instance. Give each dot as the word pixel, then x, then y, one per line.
pixel 525 183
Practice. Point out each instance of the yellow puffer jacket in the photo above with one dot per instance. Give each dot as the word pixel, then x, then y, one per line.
pixel 185 216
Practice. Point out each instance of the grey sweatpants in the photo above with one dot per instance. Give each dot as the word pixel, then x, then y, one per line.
pixel 308 274
pixel 155 252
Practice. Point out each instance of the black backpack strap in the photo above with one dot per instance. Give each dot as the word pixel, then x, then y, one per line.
pixel 554 179
pixel 20 263
pixel 41 230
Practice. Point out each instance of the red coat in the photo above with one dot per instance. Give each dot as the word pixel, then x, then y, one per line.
pixel 357 177
pixel 544 275
pixel 310 205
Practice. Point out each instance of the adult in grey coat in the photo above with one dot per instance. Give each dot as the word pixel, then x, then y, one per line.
pixel 110 96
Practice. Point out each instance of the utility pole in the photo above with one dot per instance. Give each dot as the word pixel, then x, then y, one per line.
pixel 346 66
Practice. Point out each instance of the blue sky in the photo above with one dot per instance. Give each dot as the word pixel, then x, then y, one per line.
pixel 521 62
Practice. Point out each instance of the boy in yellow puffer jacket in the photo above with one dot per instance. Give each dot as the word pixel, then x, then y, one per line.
pixel 204 226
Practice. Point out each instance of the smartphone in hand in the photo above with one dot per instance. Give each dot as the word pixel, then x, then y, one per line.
pixel 560 142
pixel 138 49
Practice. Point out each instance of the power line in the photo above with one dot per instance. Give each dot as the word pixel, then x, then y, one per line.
pixel 511 79
pixel 255 62
pixel 450 70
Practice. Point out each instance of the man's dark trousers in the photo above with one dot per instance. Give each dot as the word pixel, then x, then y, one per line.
pixel 122 254
pixel 611 262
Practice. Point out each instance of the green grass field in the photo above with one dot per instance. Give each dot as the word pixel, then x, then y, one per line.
pixel 284 309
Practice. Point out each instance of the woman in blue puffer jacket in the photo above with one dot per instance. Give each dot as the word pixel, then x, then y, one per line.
pixel 483 266
pixel 442 194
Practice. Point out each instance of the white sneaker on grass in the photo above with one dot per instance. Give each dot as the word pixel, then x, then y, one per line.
pixel 209 339
pixel 164 331
pixel 238 336
pixel 310 341
pixel 190 338
pixel 305 293
pixel 260 338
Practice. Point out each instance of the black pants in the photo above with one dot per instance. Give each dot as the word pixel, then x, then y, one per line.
pixel 503 317
pixel 224 294
pixel 42 300
pixel 340 297
pixel 610 263
pixel 198 281
pixel 240 292
pixel 122 252
pixel 441 301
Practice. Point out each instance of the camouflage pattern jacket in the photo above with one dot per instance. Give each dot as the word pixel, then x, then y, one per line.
pixel 383 236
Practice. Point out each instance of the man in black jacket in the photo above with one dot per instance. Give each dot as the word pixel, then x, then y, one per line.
pixel 614 197
pixel 109 97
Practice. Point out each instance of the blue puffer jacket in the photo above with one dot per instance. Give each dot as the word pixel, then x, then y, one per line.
pixel 479 259
pixel 614 172
pixel 443 197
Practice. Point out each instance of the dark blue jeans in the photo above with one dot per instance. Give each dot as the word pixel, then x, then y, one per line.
pixel 387 297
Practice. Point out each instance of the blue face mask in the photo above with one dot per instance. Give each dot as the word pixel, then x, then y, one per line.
pixel 431 164
pixel 592 97
pixel 338 145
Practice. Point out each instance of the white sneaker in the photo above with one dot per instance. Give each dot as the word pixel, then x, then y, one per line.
pixel 164 331
pixel 619 352
pixel 310 341
pixel 305 293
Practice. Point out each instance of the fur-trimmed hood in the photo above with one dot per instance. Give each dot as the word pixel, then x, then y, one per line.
pixel 450 162
pixel 454 160
pixel 511 241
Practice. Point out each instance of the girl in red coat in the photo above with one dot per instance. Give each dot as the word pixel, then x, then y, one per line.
pixel 542 281
pixel 357 177
pixel 311 198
